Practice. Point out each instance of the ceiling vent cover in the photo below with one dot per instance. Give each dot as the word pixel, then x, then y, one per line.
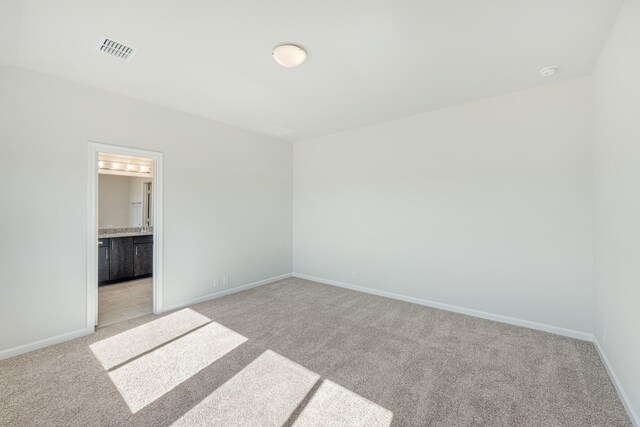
pixel 113 48
pixel 277 131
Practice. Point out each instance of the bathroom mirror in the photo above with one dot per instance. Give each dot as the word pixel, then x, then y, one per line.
pixel 124 201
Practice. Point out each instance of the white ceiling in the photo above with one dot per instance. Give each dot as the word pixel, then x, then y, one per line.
pixel 369 60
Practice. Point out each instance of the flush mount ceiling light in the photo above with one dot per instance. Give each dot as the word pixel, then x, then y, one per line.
pixel 549 71
pixel 289 55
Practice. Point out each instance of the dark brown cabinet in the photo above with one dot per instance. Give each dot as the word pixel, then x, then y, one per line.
pixel 142 255
pixel 143 259
pixel 121 258
pixel 124 258
pixel 103 260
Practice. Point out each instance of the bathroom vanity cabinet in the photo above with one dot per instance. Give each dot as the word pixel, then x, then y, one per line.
pixel 124 258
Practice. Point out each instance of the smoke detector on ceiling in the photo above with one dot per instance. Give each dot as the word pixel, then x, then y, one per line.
pixel 277 131
pixel 114 48
pixel 549 71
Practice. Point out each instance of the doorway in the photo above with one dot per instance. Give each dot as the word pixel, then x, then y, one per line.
pixel 124 267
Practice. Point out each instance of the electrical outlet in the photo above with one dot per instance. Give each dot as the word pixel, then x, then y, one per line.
pixel 216 282
pixel 225 280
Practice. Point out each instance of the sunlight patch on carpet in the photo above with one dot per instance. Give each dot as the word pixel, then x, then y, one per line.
pixel 144 380
pixel 117 349
pixel 264 393
pixel 334 405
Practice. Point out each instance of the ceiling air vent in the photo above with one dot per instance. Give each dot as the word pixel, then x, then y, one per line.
pixel 277 131
pixel 113 48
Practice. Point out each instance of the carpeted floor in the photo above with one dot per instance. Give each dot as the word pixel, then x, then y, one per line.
pixel 426 366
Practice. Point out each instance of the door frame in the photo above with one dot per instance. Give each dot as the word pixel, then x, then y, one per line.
pixel 92 224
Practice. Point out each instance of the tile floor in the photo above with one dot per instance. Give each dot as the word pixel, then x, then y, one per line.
pixel 123 301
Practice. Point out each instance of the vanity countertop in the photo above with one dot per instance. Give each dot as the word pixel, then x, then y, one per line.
pixel 105 233
pixel 129 234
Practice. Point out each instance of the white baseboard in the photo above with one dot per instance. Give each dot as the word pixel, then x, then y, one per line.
pixel 5 354
pixel 25 348
pixel 635 420
pixel 585 336
pixel 225 292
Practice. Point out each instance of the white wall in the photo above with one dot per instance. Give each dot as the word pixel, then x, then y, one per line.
pixel 486 206
pixel 616 130
pixel 227 200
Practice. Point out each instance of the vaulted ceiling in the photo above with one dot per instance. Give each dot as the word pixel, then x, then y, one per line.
pixel 369 60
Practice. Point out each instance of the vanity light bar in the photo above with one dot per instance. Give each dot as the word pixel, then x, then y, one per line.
pixel 124 167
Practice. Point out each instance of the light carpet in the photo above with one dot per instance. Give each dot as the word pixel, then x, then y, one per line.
pixel 265 393
pixel 147 378
pixel 119 348
pixel 334 405
pixel 426 366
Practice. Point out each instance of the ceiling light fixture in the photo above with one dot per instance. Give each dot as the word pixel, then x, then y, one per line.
pixel 289 55
pixel 121 167
pixel 549 71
